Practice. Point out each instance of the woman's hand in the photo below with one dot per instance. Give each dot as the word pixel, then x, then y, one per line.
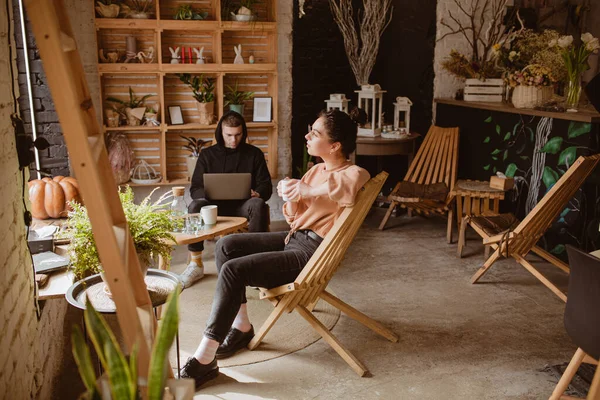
pixel 296 189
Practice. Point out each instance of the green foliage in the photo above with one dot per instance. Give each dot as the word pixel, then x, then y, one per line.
pixel 578 129
pixel 549 176
pixel 558 249
pixel 202 88
pixel 122 374
pixel 185 11
pixel 235 96
pixel 194 145
pixel 511 169
pixel 486 140
pixel 150 225
pixel 567 156
pixel 307 163
pixel 132 102
pixel 552 146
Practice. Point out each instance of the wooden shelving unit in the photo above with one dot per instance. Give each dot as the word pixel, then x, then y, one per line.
pixel 161 146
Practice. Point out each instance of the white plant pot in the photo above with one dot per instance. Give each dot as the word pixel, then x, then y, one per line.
pixel 191 165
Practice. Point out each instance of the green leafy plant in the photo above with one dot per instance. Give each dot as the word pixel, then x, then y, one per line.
pixel 185 11
pixel 202 88
pixel 150 225
pixel 194 145
pixel 123 373
pixel 140 6
pixel 307 163
pixel 132 102
pixel 235 96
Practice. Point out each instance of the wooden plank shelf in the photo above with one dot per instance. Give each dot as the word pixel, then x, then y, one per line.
pixel 190 68
pixel 591 115
pixel 126 23
pixel 126 68
pixel 131 128
pixel 242 68
pixel 256 26
pixel 185 127
pixel 188 25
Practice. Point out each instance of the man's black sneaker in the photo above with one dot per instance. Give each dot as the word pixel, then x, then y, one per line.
pixel 235 341
pixel 200 373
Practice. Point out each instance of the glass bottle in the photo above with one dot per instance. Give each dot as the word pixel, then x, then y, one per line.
pixel 179 207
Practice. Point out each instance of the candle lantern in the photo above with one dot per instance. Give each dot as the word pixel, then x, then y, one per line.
pixel 402 114
pixel 337 101
pixel 370 99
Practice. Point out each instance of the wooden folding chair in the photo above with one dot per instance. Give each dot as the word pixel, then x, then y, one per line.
pixel 510 238
pixel 303 294
pixel 435 162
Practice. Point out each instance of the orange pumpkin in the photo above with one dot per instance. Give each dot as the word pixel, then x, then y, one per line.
pixel 49 197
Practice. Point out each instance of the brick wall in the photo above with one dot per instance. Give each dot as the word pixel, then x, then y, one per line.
pixel 18 322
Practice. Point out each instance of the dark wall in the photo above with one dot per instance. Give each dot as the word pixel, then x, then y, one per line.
pixel 404 68
pixel 54 160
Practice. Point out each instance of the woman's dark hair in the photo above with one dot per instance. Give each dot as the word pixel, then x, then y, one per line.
pixel 342 128
pixel 231 119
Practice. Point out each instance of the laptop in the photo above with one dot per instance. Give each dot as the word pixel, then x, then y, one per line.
pixel 227 186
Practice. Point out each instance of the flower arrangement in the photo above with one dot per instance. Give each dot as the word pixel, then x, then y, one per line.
pixel 525 47
pixel 531 75
pixel 462 67
pixel 576 62
pixel 150 225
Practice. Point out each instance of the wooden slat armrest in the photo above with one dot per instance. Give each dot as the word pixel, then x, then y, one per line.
pixel 279 290
pixel 497 238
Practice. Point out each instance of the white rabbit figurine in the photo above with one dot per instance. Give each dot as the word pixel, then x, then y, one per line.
pixel 238 54
pixel 174 55
pixel 200 58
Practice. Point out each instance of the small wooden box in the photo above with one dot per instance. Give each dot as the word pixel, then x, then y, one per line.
pixel 501 183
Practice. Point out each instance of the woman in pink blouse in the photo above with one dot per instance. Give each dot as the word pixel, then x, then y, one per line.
pixel 272 259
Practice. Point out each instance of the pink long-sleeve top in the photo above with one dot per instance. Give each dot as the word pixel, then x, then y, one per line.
pixel 318 214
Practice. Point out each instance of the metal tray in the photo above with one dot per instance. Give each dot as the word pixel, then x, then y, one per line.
pixel 76 294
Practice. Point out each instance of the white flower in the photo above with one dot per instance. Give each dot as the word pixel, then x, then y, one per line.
pixel 593 45
pixel 552 43
pixel 587 37
pixel 565 41
pixel 512 55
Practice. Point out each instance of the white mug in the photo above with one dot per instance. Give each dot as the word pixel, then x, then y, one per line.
pixel 209 215
pixel 284 184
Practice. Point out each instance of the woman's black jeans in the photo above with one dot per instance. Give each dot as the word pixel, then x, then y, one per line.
pixel 254 259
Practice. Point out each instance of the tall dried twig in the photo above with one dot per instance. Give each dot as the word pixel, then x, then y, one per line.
pixel 362 47
pixel 480 22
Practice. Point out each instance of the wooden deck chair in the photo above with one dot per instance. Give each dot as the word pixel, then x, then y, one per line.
pixel 435 163
pixel 303 294
pixel 510 238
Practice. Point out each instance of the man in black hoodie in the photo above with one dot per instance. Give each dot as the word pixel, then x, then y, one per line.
pixel 231 154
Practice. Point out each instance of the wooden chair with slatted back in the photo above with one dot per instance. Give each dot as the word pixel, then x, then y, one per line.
pixel 510 238
pixel 436 162
pixel 310 286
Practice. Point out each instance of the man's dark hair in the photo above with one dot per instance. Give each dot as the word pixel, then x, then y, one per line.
pixel 341 128
pixel 231 119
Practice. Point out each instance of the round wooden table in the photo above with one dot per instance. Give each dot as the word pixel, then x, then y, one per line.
pixel 224 226
pixel 380 146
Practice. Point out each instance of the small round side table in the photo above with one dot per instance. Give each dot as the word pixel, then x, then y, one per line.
pixel 475 198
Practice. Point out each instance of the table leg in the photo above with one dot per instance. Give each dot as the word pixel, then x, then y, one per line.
pixel 468 210
pixel 477 206
pixel 178 356
pixel 486 204
pixel 497 205
pixel 459 211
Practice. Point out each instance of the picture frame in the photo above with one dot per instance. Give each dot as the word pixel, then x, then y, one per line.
pixel 175 115
pixel 263 107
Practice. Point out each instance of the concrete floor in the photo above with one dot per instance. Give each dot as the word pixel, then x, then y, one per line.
pixel 457 340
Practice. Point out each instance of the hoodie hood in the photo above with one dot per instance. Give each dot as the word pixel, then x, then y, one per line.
pixel 219 130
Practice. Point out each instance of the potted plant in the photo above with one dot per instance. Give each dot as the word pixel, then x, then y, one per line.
pixel 194 146
pixel 150 225
pixel 245 12
pixel 108 8
pixel 121 379
pixel 150 116
pixel 185 11
pixel 203 91
pixel 235 98
pixel 133 108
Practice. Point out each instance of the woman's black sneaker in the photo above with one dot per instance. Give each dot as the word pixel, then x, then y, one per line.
pixel 200 373
pixel 234 342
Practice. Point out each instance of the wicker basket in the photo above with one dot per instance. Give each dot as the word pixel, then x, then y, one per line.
pixel 531 96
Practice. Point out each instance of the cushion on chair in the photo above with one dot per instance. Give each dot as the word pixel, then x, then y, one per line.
pixel 495 224
pixel 414 192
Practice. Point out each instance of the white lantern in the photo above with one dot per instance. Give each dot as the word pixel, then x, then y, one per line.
pixel 402 114
pixel 337 101
pixel 370 99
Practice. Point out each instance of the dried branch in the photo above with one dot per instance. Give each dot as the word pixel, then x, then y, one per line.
pixel 373 20
pixel 480 22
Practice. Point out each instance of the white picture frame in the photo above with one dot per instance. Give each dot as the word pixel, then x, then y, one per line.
pixel 175 115
pixel 262 111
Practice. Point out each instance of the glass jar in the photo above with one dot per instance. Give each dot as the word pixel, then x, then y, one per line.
pixel 179 207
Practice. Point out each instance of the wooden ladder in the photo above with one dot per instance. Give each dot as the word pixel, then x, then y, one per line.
pixel 89 160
